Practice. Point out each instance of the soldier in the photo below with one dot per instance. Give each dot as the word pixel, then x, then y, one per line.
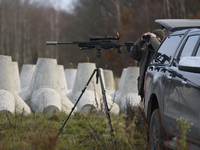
pixel 144 54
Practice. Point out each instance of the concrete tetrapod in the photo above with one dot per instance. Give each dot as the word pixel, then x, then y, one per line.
pixel 109 81
pixel 123 76
pixel 16 76
pixel 129 93
pixel 114 108
pixel 91 100
pixel 26 75
pixel 91 97
pixel 70 75
pixel 102 76
pixel 44 94
pixel 62 80
pixel 117 94
pixel 9 99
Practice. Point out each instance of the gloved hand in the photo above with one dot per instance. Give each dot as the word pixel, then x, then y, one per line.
pixel 146 34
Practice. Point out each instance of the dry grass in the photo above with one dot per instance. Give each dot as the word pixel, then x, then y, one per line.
pixel 39 131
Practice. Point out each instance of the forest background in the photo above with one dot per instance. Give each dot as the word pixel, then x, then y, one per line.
pixel 26 25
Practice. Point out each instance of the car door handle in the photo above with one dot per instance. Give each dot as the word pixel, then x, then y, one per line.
pixel 183 82
pixel 169 77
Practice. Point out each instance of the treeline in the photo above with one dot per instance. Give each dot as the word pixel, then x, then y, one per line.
pixel 25 26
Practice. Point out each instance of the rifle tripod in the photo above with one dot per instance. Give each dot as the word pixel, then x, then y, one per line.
pixel 98 76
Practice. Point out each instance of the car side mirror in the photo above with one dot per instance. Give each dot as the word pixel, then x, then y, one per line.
pixel 190 64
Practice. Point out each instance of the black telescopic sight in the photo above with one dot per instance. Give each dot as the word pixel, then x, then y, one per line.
pixel 95 38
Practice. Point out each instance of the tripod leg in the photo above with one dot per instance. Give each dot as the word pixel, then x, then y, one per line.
pixel 76 102
pixel 106 104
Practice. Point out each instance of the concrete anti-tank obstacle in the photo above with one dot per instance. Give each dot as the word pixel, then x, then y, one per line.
pixel 70 75
pixel 102 75
pixel 117 94
pixel 26 75
pixel 114 108
pixel 16 76
pixel 45 78
pixel 44 94
pixel 129 92
pixel 123 76
pixel 6 73
pixel 46 100
pixel 92 99
pixel 103 80
pixel 109 81
pixel 9 100
pixel 62 80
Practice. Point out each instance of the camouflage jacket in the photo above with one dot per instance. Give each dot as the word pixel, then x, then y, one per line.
pixel 143 54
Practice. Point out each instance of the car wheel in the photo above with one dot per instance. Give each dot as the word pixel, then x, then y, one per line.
pixel 156 134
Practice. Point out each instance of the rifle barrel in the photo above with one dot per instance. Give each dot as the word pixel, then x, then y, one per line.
pixel 66 43
pixel 55 43
pixel 51 43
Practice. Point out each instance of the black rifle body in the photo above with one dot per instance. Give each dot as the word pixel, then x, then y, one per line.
pixel 95 44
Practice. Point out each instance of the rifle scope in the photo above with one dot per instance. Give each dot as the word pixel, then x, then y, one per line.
pixel 95 38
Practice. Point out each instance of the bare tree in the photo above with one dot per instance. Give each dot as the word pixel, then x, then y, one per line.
pixel 182 9
pixel 166 5
pixel 26 25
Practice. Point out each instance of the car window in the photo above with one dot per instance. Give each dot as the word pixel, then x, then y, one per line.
pixel 189 46
pixel 167 49
pixel 198 51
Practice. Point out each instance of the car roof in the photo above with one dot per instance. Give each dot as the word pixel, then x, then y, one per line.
pixel 178 24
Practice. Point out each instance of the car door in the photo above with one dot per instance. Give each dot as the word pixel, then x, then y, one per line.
pixel 170 95
pixel 171 100
pixel 188 87
pixel 190 102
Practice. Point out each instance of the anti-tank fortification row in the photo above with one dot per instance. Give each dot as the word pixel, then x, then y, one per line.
pixel 47 87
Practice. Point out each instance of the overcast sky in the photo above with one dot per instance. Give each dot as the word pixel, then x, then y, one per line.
pixel 62 4
pixel 58 4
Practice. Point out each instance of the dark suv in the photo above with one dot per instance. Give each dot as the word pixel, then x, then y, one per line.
pixel 172 85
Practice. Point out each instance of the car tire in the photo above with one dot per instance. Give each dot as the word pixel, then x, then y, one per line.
pixel 156 132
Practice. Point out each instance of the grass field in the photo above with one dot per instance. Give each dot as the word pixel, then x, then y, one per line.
pixel 39 131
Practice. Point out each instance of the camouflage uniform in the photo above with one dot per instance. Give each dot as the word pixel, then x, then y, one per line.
pixel 144 56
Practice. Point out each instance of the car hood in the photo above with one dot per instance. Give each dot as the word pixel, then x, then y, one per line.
pixel 178 24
